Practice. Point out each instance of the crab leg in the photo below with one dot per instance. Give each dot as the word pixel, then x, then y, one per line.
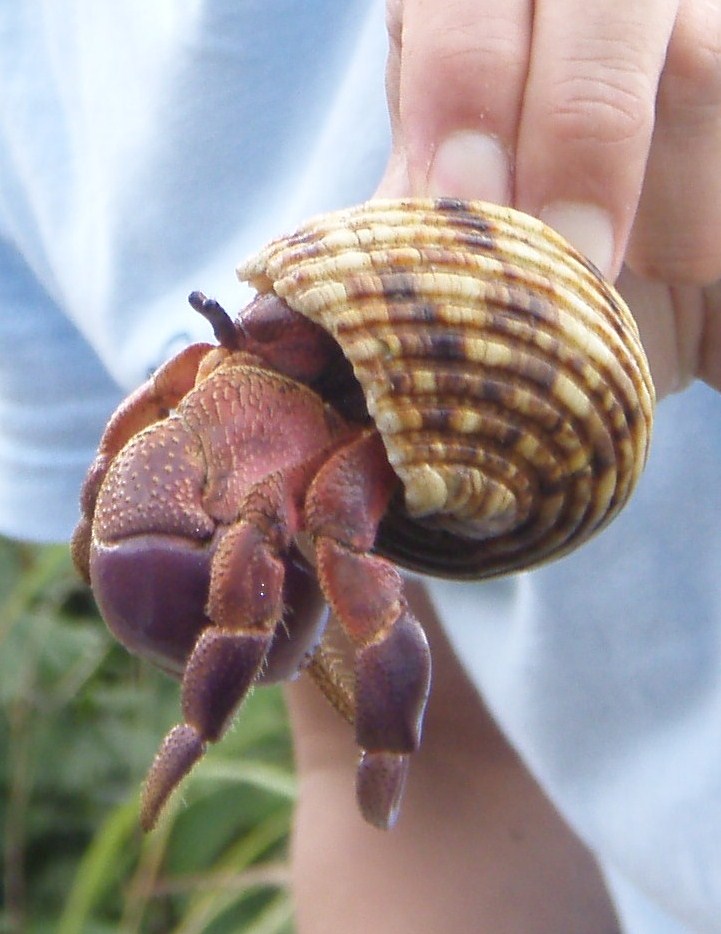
pixel 245 603
pixel 344 505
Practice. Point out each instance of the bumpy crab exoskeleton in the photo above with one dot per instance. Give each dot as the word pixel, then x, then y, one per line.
pixel 204 481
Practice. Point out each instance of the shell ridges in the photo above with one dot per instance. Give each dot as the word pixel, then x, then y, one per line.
pixel 506 377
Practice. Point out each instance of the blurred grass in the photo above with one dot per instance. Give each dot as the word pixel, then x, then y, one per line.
pixel 80 721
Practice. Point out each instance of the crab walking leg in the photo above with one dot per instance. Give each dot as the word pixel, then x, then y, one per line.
pixel 344 505
pixel 245 603
pixel 150 402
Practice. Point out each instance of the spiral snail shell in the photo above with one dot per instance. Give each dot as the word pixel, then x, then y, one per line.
pixel 505 376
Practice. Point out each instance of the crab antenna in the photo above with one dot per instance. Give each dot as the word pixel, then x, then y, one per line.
pixel 221 322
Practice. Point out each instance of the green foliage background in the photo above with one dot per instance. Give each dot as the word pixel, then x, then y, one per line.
pixel 80 721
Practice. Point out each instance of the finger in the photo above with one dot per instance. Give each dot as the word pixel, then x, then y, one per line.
pixel 456 77
pixel 677 233
pixel 588 115
pixel 654 308
pixel 680 329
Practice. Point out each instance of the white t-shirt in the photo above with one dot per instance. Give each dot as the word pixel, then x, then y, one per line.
pixel 604 669
pixel 144 150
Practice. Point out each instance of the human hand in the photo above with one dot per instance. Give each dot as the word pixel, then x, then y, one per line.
pixel 603 119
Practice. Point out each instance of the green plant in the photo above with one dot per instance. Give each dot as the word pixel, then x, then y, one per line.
pixel 80 720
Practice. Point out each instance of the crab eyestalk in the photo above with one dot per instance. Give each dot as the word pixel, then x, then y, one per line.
pixel 226 333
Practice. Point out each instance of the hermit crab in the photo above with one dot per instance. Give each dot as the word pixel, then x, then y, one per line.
pixel 442 385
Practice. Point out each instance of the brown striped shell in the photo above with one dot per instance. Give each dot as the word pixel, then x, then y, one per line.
pixel 505 376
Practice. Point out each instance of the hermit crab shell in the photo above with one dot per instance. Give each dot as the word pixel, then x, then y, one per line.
pixel 505 376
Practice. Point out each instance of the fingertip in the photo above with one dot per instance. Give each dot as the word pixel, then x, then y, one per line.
pixel 471 165
pixel 587 227
pixel 455 86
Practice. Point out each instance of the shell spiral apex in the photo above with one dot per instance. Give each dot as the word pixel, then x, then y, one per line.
pixel 505 376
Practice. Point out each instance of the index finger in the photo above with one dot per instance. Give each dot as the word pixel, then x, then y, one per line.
pixel 588 116
pixel 456 76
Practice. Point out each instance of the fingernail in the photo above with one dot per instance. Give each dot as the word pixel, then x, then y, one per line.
pixel 587 227
pixel 470 165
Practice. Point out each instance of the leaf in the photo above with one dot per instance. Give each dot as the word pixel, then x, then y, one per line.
pixel 263 775
pixel 97 870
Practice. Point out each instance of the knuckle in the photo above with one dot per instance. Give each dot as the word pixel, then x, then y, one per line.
pixel 700 267
pixel 452 42
pixel 491 50
pixel 479 75
pixel 615 108
pixel 685 261
pixel 489 54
